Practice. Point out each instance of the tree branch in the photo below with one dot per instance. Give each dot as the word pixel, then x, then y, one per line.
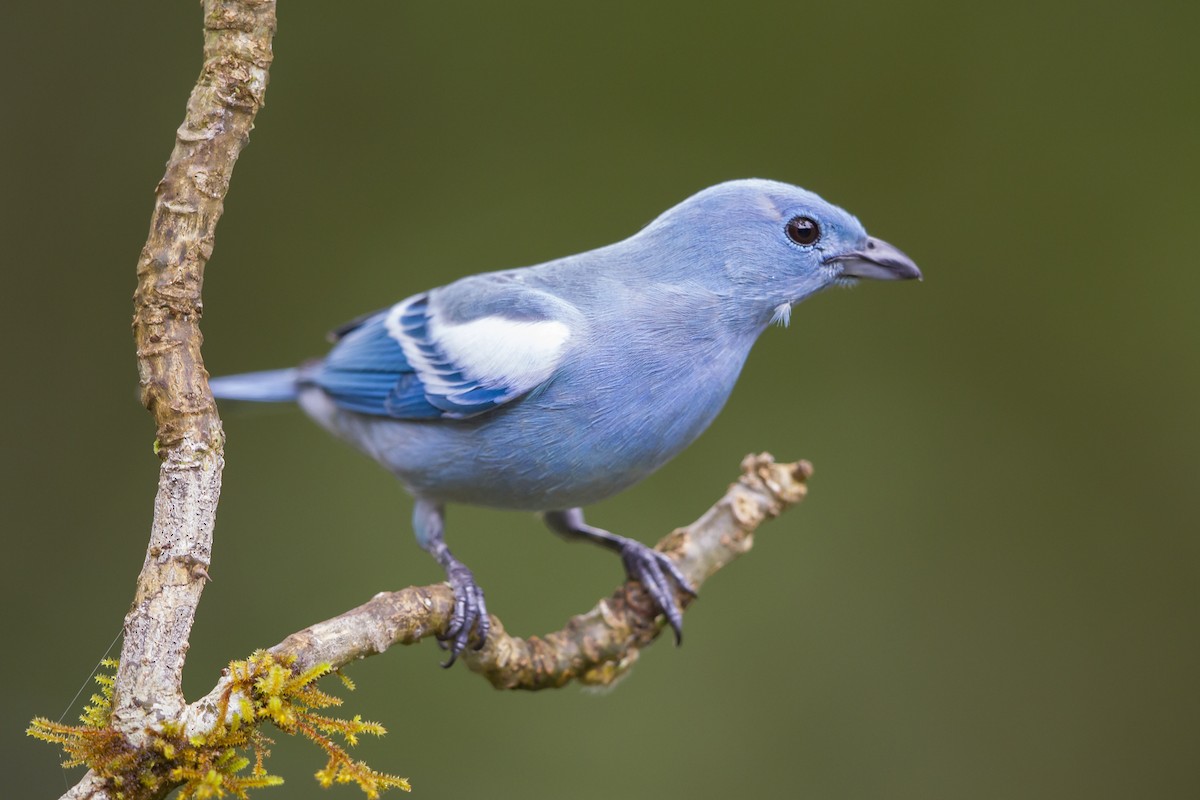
pixel 595 648
pixel 167 308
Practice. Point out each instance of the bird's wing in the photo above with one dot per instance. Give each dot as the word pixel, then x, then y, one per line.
pixel 454 352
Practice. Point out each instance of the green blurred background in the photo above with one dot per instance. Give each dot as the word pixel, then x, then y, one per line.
pixel 993 589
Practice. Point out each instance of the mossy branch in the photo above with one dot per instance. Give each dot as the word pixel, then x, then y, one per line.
pixel 212 763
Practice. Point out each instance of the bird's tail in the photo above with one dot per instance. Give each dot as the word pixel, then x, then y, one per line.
pixel 272 386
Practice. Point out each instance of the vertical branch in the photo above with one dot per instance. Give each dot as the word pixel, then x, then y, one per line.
pixel 167 308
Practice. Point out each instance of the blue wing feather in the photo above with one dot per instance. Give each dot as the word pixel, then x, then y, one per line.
pixel 368 371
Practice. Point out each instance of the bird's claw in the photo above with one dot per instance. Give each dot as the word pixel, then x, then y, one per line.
pixel 470 613
pixel 651 569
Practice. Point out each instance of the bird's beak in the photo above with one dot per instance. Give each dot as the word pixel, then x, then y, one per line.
pixel 878 261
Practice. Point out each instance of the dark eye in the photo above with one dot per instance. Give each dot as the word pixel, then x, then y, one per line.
pixel 803 230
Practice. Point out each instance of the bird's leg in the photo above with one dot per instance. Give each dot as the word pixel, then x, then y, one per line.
pixel 643 564
pixel 470 612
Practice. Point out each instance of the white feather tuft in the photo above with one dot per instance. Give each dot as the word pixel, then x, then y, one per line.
pixel 782 315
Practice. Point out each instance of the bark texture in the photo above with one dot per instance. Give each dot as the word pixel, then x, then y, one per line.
pixel 174 388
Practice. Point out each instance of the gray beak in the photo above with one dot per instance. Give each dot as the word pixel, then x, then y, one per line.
pixel 878 261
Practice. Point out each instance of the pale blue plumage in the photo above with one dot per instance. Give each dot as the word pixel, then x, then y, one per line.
pixel 551 387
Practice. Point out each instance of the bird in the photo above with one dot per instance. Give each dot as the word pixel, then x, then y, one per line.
pixel 551 387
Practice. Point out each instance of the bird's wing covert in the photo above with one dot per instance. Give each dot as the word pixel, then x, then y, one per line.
pixel 449 354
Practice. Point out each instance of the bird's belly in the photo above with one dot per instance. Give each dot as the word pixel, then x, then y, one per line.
pixel 536 463
pixel 537 455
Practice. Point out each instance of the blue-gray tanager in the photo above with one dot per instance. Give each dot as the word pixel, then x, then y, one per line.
pixel 551 387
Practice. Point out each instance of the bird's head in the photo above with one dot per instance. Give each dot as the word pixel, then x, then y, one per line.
pixel 773 244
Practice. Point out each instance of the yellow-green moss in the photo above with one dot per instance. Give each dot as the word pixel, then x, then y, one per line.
pixel 263 687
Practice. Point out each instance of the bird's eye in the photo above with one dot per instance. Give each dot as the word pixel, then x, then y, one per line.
pixel 803 230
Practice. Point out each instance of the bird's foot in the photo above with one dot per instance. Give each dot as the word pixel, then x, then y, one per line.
pixel 470 613
pixel 651 569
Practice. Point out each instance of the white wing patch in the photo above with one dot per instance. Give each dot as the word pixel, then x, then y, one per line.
pixel 516 352
pixel 507 357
